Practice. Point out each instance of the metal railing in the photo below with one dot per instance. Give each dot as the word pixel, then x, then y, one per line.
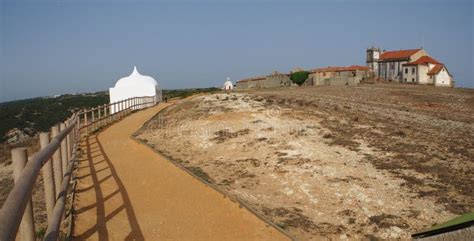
pixel 57 159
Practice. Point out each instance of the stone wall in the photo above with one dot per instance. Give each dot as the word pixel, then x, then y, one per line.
pixel 273 80
pixel 337 78
pixel 276 80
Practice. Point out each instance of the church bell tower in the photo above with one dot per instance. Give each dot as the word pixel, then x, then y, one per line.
pixel 373 55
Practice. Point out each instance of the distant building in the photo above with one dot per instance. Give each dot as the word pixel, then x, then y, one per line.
pixel 351 75
pixel 408 66
pixel 134 85
pixel 275 79
pixel 427 70
pixel 228 85
pixel 250 83
pixel 388 64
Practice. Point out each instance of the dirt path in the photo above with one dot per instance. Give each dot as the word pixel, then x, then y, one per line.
pixel 127 192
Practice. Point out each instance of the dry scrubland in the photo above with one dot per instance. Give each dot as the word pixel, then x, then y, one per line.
pixel 375 161
pixel 6 182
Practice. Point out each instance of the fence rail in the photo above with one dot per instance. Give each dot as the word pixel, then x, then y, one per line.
pixel 57 159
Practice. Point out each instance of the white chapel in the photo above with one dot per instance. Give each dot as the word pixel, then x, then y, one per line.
pixel 228 85
pixel 134 85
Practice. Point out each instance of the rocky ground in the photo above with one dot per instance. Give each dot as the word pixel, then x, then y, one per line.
pixel 375 161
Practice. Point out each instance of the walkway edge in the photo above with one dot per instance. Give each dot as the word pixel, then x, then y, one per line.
pixel 216 188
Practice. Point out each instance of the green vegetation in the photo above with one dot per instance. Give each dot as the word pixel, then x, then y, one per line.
pixel 458 220
pixel 39 114
pixel 183 93
pixel 299 77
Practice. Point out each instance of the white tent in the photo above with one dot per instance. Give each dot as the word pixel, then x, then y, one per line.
pixel 134 85
pixel 228 85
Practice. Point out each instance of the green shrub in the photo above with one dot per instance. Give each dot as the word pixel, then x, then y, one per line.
pixel 39 114
pixel 299 77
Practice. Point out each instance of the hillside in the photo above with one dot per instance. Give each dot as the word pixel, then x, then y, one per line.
pixel 39 114
pixel 30 116
pixel 373 161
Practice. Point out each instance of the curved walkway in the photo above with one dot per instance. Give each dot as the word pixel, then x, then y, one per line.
pixel 126 191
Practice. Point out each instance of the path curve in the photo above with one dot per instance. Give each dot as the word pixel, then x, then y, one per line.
pixel 126 191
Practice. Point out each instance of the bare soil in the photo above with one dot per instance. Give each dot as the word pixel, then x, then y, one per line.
pixel 126 191
pixel 374 161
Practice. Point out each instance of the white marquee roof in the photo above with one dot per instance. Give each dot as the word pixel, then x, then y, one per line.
pixel 135 79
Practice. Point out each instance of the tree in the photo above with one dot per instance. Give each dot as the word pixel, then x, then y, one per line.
pixel 299 77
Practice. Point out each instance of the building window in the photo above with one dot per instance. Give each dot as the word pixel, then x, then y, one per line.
pixel 412 70
pixel 405 79
pixel 412 79
pixel 406 70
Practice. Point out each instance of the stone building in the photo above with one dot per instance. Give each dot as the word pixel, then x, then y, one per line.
pixel 275 79
pixel 250 83
pixel 408 66
pixel 388 64
pixel 351 75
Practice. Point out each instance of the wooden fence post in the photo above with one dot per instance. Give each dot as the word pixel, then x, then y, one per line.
pixel 115 112
pixel 77 137
pixel 99 116
pixel 128 105
pixel 48 178
pixel 125 107
pixel 86 128
pixel 57 165
pixel 70 139
pixel 112 108
pixel 121 108
pixel 93 120
pixel 64 153
pixel 27 226
pixel 105 115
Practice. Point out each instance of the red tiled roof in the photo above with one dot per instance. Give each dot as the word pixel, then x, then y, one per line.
pixel 357 67
pixel 424 60
pixel 399 54
pixel 339 69
pixel 435 70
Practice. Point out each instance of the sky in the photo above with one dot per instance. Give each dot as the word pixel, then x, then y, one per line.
pixel 68 46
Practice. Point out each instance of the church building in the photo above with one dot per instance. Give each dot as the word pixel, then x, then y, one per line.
pixel 408 66
pixel 228 85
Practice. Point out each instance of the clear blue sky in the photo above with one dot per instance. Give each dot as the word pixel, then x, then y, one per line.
pixel 54 47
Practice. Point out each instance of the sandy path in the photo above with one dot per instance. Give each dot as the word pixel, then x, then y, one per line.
pixel 126 191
